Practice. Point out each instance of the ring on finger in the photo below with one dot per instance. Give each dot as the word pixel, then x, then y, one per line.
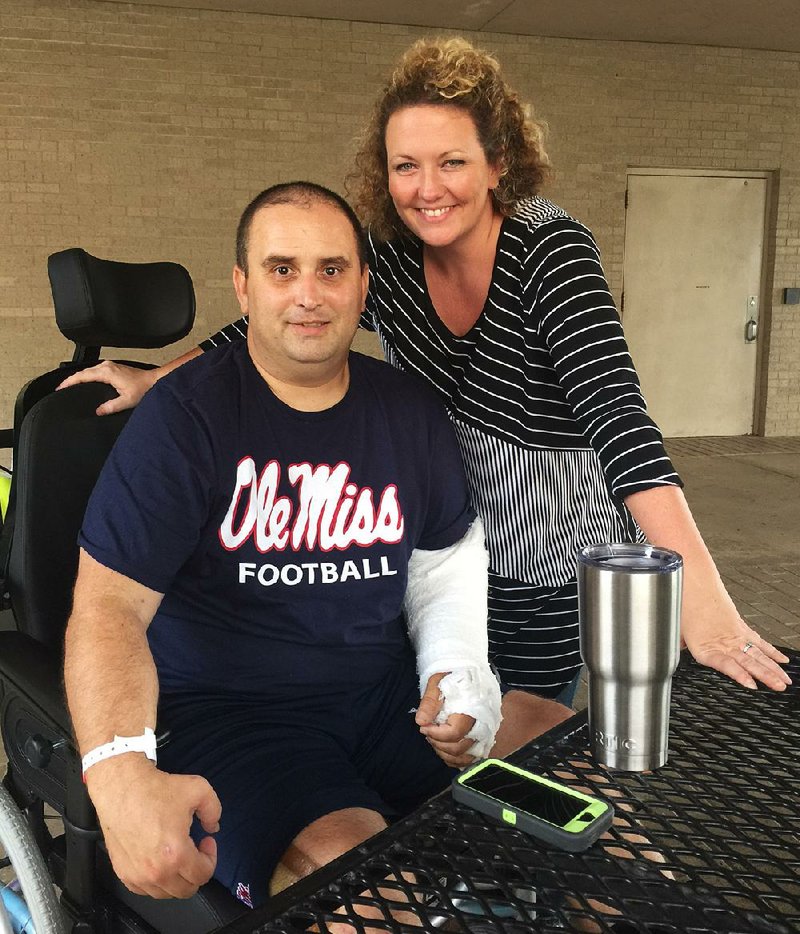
pixel 747 646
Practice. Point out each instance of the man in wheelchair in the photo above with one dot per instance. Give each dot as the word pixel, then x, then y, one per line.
pixel 280 537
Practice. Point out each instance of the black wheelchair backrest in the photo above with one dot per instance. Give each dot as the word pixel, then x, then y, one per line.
pixel 60 444
pixel 62 447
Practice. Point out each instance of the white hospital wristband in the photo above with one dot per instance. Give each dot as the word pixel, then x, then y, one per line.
pixel 145 743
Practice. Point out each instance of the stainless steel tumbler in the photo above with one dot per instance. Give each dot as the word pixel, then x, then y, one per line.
pixel 629 599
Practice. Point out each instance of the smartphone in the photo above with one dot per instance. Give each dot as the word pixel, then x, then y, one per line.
pixel 553 813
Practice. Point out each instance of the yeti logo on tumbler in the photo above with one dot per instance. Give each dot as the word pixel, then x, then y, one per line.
pixel 629 600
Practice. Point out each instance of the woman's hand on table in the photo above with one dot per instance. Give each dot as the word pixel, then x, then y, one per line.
pixel 711 626
pixel 727 643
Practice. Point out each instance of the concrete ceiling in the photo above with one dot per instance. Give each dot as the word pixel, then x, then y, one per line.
pixel 749 24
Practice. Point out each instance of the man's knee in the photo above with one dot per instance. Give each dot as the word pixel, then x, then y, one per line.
pixel 324 840
pixel 526 716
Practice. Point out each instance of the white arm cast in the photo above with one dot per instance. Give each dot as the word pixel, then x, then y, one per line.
pixel 446 610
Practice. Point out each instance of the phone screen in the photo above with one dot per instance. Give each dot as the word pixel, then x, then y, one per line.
pixel 524 794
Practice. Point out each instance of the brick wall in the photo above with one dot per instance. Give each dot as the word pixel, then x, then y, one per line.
pixel 139 133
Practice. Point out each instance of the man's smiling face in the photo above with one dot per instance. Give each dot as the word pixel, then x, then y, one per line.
pixel 304 290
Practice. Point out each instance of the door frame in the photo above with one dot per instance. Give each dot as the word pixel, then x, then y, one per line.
pixel 767 269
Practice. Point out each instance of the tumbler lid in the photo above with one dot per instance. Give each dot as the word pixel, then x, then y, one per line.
pixel 627 557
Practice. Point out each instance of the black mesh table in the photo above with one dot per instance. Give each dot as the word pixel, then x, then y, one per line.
pixel 710 842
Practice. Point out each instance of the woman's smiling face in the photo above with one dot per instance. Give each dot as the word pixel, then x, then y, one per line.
pixel 439 177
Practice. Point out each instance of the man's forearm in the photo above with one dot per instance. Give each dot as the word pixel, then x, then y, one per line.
pixel 109 673
pixel 110 678
pixel 112 689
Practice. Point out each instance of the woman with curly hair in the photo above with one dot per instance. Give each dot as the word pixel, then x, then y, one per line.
pixel 497 298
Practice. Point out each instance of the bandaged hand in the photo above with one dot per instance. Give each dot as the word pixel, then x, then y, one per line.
pixel 459 714
pixel 446 613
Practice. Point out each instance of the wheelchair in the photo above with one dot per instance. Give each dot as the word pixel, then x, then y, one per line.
pixel 48 828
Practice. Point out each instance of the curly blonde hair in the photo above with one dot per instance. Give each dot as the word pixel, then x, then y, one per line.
pixel 450 72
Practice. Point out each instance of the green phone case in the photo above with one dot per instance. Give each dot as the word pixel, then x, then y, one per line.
pixel 576 835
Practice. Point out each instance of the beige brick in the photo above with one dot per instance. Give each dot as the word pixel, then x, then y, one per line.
pixel 140 131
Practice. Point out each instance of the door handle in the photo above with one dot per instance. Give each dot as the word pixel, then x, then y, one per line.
pixel 750 331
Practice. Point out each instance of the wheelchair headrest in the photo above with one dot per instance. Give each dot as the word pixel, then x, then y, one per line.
pixel 101 303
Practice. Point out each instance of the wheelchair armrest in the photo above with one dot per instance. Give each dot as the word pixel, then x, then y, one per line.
pixel 29 668
pixel 37 735
pixel 210 908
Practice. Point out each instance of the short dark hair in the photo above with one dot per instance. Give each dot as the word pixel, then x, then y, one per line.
pixel 303 194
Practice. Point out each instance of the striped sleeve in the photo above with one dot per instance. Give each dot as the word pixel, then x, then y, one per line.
pixel 236 330
pixel 580 326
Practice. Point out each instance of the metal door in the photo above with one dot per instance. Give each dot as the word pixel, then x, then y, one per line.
pixel 692 284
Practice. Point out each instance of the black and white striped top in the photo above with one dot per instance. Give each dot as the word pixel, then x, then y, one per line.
pixel 542 391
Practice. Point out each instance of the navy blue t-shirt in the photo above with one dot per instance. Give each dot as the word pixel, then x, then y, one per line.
pixel 280 538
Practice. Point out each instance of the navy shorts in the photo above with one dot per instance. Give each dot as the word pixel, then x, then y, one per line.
pixel 279 766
